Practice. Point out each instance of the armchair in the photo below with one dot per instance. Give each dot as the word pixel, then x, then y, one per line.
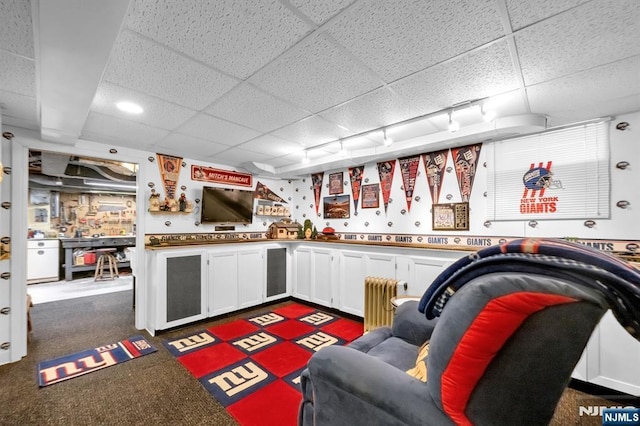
pixel 505 327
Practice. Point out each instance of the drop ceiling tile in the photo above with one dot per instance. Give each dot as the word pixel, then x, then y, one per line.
pixel 565 44
pixel 523 13
pixel 187 146
pixel 271 145
pixel 237 156
pixel 113 130
pixel 253 108
pixel 157 113
pixel 145 66
pixel 213 129
pixel 283 161
pixel 311 131
pixel 237 37
pixel 371 111
pixel 320 11
pixel 17 74
pixel 315 75
pixel 16 32
pixel 476 75
pixel 397 38
pixel 585 95
pixel 18 107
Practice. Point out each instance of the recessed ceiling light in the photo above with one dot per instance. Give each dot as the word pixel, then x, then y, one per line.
pixel 129 107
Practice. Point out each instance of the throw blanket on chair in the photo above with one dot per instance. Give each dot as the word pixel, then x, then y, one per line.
pixel 616 280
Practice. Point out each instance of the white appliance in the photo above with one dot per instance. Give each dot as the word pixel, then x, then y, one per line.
pixel 42 260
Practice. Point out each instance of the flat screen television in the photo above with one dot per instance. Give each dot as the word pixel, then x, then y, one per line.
pixel 222 205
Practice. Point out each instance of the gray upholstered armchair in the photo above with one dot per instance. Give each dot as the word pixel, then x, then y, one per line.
pixel 510 331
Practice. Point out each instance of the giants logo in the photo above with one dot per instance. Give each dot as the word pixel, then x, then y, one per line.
pixel 317 341
pixel 267 319
pixel 255 342
pixel 189 343
pixel 538 179
pixel 317 318
pixel 236 381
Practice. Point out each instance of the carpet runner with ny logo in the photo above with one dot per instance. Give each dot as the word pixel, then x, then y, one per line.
pixel 252 365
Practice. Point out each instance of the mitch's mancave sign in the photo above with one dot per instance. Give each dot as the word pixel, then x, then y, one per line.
pixel 227 177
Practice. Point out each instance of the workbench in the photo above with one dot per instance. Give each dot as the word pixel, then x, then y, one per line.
pixel 70 244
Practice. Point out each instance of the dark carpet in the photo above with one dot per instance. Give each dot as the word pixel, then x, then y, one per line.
pixel 152 390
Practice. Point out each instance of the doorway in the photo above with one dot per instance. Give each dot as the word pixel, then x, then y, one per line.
pixel 78 208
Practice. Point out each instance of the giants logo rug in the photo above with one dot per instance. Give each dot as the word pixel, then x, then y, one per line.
pixel 70 366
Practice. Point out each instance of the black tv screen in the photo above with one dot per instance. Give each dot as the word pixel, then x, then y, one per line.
pixel 226 205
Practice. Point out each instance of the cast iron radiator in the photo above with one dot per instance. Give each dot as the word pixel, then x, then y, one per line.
pixel 378 310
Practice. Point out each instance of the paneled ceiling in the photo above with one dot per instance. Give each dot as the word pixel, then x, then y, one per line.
pixel 255 84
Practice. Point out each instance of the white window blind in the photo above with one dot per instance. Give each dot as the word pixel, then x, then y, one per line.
pixel 562 174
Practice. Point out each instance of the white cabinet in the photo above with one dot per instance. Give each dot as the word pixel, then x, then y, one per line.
pixel 223 282
pixel 251 277
pixel 612 358
pixel 351 282
pixel 302 273
pixel 321 272
pixel 354 268
pixel 179 286
pixel 42 260
pixel 419 272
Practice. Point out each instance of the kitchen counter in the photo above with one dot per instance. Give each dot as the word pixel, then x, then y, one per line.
pixel 70 244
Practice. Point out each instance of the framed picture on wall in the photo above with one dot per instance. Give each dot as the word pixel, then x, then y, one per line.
pixel 337 207
pixel 335 183
pixel 371 196
pixel 451 217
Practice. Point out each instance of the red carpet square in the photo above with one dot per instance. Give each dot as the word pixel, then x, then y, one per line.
pixel 290 329
pixel 294 310
pixel 283 358
pixel 275 404
pixel 345 329
pixel 233 329
pixel 252 366
pixel 210 359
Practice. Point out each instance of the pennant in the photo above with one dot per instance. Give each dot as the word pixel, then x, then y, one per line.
pixel 435 164
pixel 409 171
pixel 465 159
pixel 355 174
pixel 385 171
pixel 263 192
pixel 169 172
pixel 316 179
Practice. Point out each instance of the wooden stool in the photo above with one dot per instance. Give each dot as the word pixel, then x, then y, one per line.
pixel 104 255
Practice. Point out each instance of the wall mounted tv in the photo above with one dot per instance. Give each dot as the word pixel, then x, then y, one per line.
pixel 223 205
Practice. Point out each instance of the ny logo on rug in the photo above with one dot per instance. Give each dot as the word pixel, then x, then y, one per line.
pixel 70 366
pixel 236 381
pixel 188 344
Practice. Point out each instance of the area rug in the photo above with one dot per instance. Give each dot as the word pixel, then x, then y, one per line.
pixel 70 366
pixel 252 365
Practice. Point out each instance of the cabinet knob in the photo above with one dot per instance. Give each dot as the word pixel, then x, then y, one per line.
pixel 5 311
pixel 40 252
pixel 5 275
pixel 5 346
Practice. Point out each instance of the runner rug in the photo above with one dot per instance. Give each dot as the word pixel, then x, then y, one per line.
pixel 70 366
pixel 252 365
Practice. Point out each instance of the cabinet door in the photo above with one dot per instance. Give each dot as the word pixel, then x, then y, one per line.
pixel 322 267
pixel 612 357
pixel 223 282
pixel 351 282
pixel 183 288
pixel 302 273
pixel 419 272
pixel 251 273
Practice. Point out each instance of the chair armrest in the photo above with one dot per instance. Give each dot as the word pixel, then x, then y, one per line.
pixel 345 379
pixel 372 339
pixel 411 325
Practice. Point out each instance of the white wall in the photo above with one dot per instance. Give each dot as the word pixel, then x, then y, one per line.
pixel 622 224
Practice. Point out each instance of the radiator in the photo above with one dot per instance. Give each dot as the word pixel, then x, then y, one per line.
pixel 378 310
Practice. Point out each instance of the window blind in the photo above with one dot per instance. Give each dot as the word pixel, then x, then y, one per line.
pixel 561 174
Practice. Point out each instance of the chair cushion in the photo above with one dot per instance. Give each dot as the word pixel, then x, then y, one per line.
pixel 396 352
pixel 420 370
